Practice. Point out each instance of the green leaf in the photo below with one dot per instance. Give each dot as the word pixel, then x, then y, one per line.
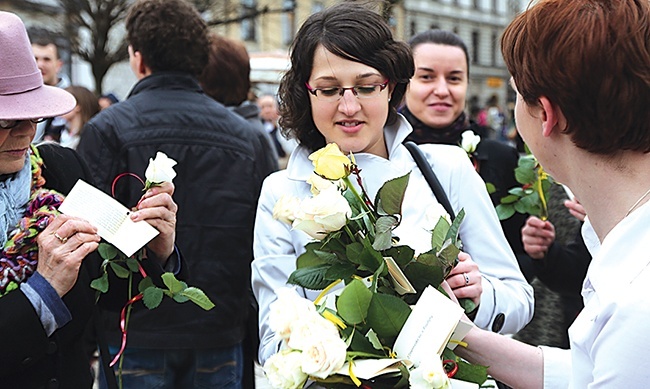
pixel 198 297
pixel 505 211
pixel 107 250
pixel 509 199
pixel 449 255
pixel 525 175
pixel 387 315
pixel 374 340
pixel 152 296
pixel 490 187
pixel 343 271
pixel 309 259
pixel 353 252
pixel 468 305
pixel 145 283
pixel 310 277
pixel 101 283
pixel 180 298
pixel 326 256
pixel 132 264
pixel 383 240
pixel 439 232
pixel 352 304
pixel 455 226
pixel 391 195
pixel 422 275
pixel 401 254
pixel 119 270
pixel 175 286
pixel 370 258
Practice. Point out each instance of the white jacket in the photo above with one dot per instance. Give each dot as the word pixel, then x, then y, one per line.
pixel 276 246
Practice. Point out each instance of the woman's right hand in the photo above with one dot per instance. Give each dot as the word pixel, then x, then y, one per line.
pixel 537 236
pixel 62 246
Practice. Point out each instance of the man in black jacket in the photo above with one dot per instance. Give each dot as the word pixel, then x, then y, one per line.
pixel 220 169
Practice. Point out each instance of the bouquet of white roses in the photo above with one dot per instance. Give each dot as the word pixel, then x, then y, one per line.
pixel 354 244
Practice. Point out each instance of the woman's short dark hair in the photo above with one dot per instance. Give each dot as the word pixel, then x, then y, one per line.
pixel 440 37
pixel 169 34
pixel 226 78
pixel 592 59
pixel 350 31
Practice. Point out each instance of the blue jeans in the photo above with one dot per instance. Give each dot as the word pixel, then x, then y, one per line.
pixel 180 369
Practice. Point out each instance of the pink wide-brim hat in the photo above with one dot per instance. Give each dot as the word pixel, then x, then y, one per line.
pixel 22 93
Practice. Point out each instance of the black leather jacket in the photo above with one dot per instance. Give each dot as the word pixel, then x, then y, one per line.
pixel 221 166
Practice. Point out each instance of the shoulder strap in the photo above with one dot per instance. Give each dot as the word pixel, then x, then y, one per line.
pixel 430 176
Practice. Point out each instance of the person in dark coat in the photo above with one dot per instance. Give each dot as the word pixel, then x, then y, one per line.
pixel 221 166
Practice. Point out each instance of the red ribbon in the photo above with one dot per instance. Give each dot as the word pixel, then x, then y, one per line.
pixel 453 370
pixel 123 327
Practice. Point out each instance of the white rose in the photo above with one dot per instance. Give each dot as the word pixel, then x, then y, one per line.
pixel 434 212
pixel 288 309
pixel 318 183
pixel 429 375
pixel 308 328
pixel 326 212
pixel 469 141
pixel 160 169
pixel 323 356
pixel 283 370
pixel 285 209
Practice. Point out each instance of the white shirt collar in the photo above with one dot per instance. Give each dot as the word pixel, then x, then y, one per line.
pixel 394 135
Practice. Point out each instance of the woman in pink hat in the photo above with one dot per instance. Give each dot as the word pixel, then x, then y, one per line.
pixel 47 259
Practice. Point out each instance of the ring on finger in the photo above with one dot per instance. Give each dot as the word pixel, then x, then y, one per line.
pixel 59 237
pixel 466 278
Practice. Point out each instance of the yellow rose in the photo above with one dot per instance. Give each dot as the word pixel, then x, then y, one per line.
pixel 329 162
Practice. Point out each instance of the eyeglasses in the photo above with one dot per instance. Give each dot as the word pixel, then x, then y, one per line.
pixel 335 93
pixel 9 124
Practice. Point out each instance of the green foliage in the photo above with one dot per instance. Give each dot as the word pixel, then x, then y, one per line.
pixel 352 305
pixel 532 196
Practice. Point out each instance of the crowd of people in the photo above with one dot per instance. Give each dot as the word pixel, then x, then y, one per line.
pixel 349 83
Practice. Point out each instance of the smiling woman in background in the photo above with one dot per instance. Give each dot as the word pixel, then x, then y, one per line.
pixel 435 107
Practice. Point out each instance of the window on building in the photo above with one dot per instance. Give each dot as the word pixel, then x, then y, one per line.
pixel 434 27
pixel 495 48
pixel 248 27
pixel 495 6
pixel 475 47
pixel 477 4
pixel 413 28
pixel 317 6
pixel 455 30
pixel 288 21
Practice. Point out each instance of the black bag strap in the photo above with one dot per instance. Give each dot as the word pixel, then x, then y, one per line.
pixel 430 176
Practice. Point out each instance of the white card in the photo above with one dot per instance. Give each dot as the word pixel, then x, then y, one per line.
pixel 428 328
pixel 109 216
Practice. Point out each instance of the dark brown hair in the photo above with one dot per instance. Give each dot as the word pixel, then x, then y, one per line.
pixel 350 31
pixel 226 78
pixel 87 102
pixel 169 34
pixel 592 59
pixel 440 37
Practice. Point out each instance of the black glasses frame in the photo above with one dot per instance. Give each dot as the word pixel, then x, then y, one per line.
pixel 9 124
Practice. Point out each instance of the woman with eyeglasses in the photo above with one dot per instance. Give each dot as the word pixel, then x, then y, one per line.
pixel 47 259
pixel 346 79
